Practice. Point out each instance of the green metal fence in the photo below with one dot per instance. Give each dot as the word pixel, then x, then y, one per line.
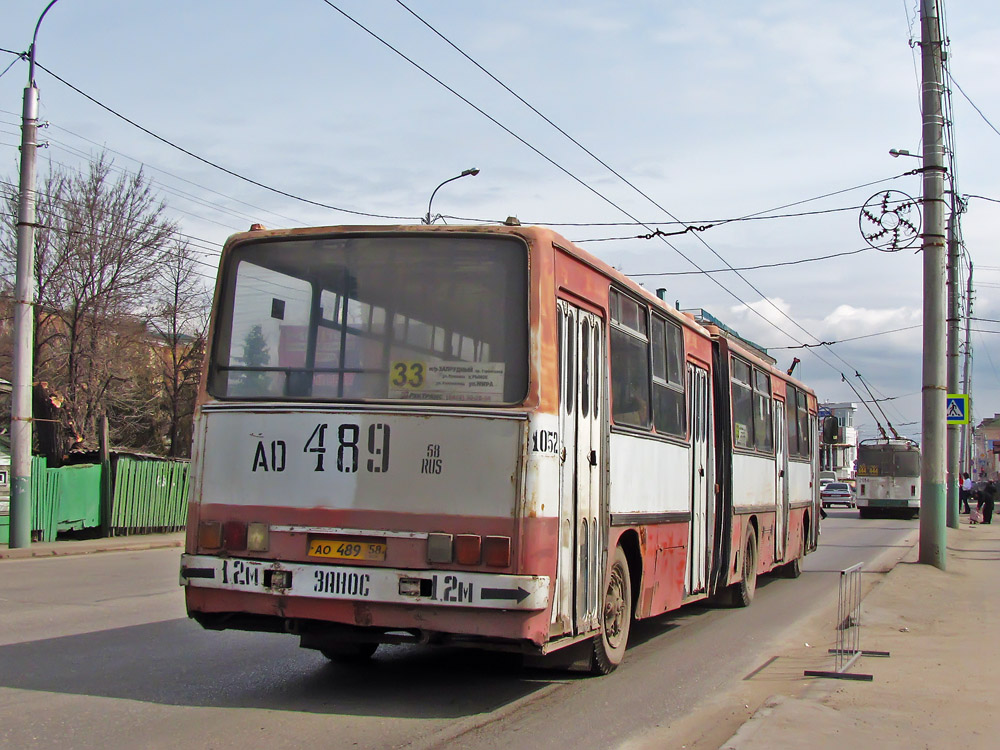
pixel 63 499
pixel 149 496
pixel 45 485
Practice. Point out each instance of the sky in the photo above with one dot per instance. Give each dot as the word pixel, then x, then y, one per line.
pixel 708 111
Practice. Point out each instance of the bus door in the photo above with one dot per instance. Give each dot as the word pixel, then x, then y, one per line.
pixel 582 533
pixel 702 481
pixel 781 479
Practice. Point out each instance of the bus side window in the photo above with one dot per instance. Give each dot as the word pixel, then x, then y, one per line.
pixel 669 408
pixel 742 396
pixel 763 427
pixel 629 363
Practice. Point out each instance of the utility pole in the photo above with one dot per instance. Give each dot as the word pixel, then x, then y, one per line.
pixel 954 430
pixel 933 536
pixel 24 318
pixel 967 388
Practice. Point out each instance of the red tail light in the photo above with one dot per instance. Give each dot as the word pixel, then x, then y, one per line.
pixel 234 536
pixel 496 551
pixel 468 549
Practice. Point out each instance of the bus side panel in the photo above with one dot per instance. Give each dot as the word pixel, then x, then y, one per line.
pixel 754 500
pixel 801 491
pixel 650 491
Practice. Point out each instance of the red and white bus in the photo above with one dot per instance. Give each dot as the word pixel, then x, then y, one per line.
pixel 479 436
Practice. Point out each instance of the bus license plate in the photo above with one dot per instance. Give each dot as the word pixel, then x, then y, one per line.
pixel 344 548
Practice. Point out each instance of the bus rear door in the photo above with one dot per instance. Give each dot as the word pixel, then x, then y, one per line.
pixel 582 531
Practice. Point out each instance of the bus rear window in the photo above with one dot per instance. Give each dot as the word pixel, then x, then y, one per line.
pixel 416 318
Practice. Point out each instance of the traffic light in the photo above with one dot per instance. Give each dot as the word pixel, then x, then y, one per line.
pixel 831 430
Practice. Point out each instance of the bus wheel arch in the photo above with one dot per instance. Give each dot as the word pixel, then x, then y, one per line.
pixel 629 543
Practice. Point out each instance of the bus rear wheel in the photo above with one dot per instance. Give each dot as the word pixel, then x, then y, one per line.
pixel 793 568
pixel 742 592
pixel 616 617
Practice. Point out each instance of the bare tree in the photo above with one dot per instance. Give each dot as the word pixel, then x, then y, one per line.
pixel 179 320
pixel 99 247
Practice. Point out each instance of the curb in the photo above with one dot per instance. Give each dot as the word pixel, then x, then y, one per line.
pixel 56 549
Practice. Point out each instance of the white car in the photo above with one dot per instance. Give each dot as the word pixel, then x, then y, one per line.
pixel 837 493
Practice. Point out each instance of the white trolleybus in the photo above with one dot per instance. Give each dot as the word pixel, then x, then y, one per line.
pixel 479 436
pixel 888 477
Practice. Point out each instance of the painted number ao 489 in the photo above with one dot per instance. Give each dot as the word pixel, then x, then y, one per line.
pixel 353 453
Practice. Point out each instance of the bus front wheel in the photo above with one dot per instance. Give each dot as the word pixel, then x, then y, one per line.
pixel 616 617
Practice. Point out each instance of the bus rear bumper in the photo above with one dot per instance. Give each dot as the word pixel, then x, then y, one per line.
pixel 440 588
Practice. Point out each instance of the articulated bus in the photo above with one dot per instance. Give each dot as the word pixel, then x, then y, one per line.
pixel 479 436
pixel 888 478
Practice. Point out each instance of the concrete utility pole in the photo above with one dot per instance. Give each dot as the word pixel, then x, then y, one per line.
pixel 954 430
pixel 933 537
pixel 24 319
pixel 967 463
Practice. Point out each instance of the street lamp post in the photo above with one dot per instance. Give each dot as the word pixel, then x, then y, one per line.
pixel 466 173
pixel 24 296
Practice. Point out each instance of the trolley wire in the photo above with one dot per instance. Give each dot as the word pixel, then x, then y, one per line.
pixel 215 165
pixel 661 236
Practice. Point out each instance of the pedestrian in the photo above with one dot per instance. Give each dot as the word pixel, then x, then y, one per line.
pixel 989 498
pixel 965 492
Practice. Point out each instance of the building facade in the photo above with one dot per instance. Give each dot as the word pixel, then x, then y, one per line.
pixel 986 449
pixel 841 456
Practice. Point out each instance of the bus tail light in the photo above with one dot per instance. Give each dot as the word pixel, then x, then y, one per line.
pixel 468 549
pixel 210 535
pixel 496 551
pixel 234 536
pixel 257 537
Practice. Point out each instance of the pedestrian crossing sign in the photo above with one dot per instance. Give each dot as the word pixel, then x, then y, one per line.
pixel 958 408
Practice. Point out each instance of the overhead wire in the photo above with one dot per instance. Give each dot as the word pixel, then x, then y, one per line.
pixel 699 238
pixel 730 267
pixel 214 165
pixel 853 338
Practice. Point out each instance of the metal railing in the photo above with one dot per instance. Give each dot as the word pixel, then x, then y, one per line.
pixel 848 641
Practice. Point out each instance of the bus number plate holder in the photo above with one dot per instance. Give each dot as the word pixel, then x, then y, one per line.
pixel 347 548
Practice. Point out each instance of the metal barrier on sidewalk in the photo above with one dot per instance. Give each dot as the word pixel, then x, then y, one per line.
pixel 848 629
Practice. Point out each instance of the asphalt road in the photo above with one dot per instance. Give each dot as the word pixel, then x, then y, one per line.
pixel 95 652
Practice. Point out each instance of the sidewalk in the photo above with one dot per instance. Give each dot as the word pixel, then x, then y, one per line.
pixel 87 546
pixel 938 689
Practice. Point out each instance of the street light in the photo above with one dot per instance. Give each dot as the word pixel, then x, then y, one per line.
pixel 895 152
pixel 467 173
pixel 24 296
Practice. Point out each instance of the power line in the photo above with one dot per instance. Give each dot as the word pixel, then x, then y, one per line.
pixel 751 268
pixel 844 341
pixel 763 296
pixel 221 168
pixel 969 100
pixel 206 246
pixel 982 197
